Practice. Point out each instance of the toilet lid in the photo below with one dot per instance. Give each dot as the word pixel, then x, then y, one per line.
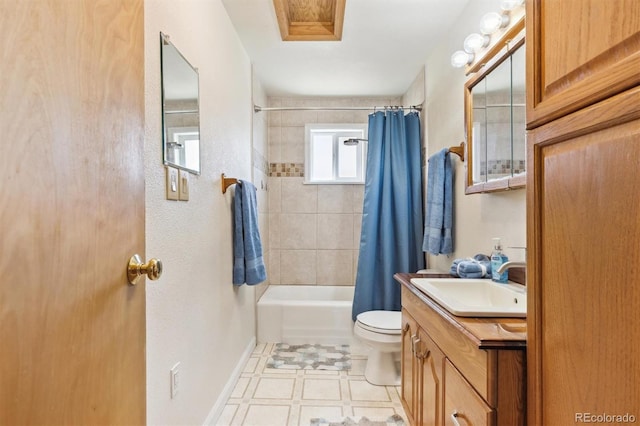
pixel 387 322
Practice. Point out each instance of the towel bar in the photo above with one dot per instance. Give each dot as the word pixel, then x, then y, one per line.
pixel 458 150
pixel 227 182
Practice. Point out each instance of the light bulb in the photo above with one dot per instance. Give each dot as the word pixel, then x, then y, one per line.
pixel 492 22
pixel 511 4
pixel 474 42
pixel 460 58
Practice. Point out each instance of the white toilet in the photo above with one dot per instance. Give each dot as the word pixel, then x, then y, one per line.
pixel 380 331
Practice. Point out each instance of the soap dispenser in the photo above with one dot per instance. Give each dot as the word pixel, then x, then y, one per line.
pixel 498 258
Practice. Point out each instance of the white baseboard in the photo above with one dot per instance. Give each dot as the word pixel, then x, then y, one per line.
pixel 216 411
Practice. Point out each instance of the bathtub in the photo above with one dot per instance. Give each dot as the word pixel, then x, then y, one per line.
pixel 305 314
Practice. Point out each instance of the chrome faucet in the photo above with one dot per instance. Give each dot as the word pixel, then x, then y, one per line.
pixel 511 264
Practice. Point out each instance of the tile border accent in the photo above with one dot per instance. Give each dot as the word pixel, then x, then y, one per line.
pixel 286 169
pixel 502 167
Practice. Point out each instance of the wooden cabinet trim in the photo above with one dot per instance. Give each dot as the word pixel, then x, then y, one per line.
pixel 408 384
pixel 495 185
pixel 511 388
pixel 431 366
pixel 611 112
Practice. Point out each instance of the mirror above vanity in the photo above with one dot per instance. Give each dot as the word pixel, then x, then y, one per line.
pixel 180 109
pixel 495 116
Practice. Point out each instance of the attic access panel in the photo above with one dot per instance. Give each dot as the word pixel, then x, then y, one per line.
pixel 310 20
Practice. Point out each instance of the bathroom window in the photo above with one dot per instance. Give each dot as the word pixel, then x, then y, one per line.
pixel 335 153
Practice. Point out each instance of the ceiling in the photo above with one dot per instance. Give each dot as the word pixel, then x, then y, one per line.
pixel 384 45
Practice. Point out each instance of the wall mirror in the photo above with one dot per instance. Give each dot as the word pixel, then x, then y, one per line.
pixel 495 121
pixel 180 109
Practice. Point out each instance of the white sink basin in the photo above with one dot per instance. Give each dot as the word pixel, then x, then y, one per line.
pixel 476 297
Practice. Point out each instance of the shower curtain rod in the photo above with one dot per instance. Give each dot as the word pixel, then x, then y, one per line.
pixel 257 108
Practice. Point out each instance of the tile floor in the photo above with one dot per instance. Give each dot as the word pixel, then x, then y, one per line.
pixel 274 397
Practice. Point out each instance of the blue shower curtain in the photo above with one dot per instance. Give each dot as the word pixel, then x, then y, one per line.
pixel 391 238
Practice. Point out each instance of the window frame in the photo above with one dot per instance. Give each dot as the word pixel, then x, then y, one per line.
pixel 337 130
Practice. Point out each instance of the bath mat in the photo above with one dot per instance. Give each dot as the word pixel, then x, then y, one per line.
pixel 310 357
pixel 394 420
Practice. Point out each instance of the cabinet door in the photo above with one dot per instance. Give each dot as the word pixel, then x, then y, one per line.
pixel 431 364
pixel 409 371
pixel 462 404
pixel 579 52
pixel 583 225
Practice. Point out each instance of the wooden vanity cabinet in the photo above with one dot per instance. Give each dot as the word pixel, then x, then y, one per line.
pixel 409 369
pixel 430 361
pixel 448 372
pixel 422 381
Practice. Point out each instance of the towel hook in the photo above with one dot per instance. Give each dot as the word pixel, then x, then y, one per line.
pixel 227 182
pixel 458 150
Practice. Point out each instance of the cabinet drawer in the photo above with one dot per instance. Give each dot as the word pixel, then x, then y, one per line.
pixel 462 405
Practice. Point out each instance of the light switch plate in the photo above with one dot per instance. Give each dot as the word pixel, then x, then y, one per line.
pixel 172 184
pixel 184 185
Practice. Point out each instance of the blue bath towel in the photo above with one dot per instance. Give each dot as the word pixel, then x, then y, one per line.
pixel 478 266
pixel 248 264
pixel 439 218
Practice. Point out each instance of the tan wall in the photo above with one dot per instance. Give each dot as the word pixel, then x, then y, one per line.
pixel 479 217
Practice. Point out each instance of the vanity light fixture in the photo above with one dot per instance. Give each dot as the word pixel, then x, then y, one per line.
pixel 492 22
pixel 474 42
pixel 511 4
pixel 460 58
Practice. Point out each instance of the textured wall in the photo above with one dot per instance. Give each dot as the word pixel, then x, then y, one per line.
pixel 195 316
pixel 478 217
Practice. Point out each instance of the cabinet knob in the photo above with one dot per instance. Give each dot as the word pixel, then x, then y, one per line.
pixel 454 418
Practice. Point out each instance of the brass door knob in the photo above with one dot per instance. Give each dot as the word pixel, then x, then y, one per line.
pixel 135 269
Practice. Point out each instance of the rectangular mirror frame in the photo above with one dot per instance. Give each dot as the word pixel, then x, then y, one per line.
pixel 181 127
pixel 504 48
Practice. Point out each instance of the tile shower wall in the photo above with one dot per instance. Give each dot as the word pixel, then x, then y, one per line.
pixel 314 230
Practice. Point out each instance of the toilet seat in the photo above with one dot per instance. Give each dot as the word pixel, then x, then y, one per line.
pixel 383 322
